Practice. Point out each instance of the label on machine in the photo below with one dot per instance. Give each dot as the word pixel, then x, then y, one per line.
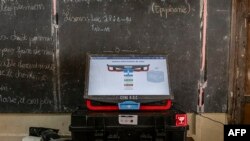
pixel 128 119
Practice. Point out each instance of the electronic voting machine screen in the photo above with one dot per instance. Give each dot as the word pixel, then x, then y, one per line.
pixel 115 78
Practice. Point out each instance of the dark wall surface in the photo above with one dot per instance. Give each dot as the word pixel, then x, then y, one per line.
pixel 130 26
pixel 26 56
pixel 42 66
pixel 218 43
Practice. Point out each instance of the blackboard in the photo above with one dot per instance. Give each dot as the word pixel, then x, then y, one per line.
pixel 42 61
pixel 130 26
pixel 26 60
pixel 218 40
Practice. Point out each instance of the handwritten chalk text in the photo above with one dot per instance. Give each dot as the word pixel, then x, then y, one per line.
pixel 82 1
pixel 23 74
pixel 27 101
pixel 15 7
pixel 4 88
pixel 20 51
pixel 36 51
pixel 164 11
pixel 97 19
pixel 7 51
pixel 23 37
pixel 99 29
pixel 10 63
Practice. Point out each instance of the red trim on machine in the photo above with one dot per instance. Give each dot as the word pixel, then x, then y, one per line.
pixel 142 107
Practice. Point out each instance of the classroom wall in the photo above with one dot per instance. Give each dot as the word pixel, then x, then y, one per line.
pixel 13 127
pixel 43 50
pixel 204 129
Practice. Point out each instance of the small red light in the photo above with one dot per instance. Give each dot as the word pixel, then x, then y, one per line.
pixel 181 120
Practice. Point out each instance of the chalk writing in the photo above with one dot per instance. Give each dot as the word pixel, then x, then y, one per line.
pixel 165 10
pixel 27 101
pixel 82 1
pixel 6 1
pixel 76 1
pixel 35 66
pixel 98 19
pixel 3 37
pixel 40 38
pixel 26 51
pixel 7 51
pixel 26 56
pixel 70 18
pixel 7 73
pixel 20 37
pixel 96 28
pixel 26 75
pixel 4 88
pixel 23 37
pixel 19 74
pixel 15 6
pixel 10 63
pixel 19 51
pixel 7 99
pixel 118 19
pixel 88 1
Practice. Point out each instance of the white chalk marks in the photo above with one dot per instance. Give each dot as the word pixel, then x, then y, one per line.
pixel 14 6
pixel 169 9
pixel 26 55
pixel 97 23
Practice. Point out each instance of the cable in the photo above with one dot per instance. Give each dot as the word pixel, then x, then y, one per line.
pixel 195 112
pixel 210 119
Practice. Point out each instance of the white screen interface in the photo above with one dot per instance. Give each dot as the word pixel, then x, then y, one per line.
pixel 128 76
